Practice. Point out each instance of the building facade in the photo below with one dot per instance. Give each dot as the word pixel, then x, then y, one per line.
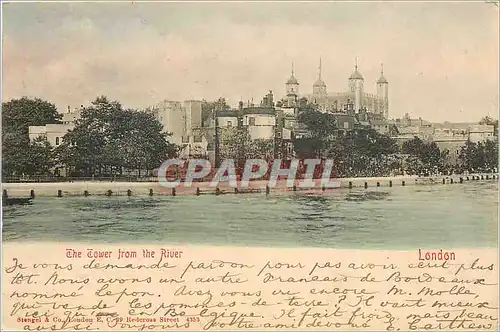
pixel 183 121
pixel 54 133
pixel 355 97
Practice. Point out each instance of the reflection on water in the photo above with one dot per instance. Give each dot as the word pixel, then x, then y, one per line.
pixel 386 218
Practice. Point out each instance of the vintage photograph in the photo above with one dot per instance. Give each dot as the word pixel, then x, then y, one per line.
pixel 348 125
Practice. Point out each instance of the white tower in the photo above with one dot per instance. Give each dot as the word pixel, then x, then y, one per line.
pixel 356 87
pixel 383 93
pixel 292 89
pixel 319 90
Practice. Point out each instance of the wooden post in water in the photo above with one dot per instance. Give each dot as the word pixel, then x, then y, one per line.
pixel 378 184
pixel 85 193
pixel 217 191
pixel 129 192
pixel 32 193
pixel 444 181
pixel 109 193
pixel 59 193
pixel 294 188
pixel 150 192
pixel 323 188
pixel 5 195
pixel 482 177
pixel 350 184
pixel 461 180
pixel 173 192
pixel 235 190
pixel 267 189
pixel 451 180
pixel 197 191
pixel 366 185
pixel 390 183
pixel 403 183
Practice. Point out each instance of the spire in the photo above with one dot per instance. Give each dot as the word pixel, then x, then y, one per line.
pixel 292 79
pixel 319 67
pixel 382 79
pixel 319 82
pixel 356 75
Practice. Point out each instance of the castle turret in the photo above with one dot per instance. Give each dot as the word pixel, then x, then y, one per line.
pixel 319 90
pixel 383 93
pixel 292 89
pixel 356 81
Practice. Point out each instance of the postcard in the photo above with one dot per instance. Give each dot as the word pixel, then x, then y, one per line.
pixel 249 166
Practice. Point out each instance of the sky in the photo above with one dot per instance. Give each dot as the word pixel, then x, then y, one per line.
pixel 441 59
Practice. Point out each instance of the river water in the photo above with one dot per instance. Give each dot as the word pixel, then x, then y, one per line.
pixel 435 216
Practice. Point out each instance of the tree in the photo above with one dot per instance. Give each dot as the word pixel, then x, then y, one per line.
pixel 17 116
pixel 365 152
pixel 108 139
pixel 321 127
pixel 207 108
pixel 40 157
pixel 234 143
pixel 428 154
pixel 467 156
pixel 413 147
pixel 14 146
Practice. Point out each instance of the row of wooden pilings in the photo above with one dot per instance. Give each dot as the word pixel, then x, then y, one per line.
pixel 218 191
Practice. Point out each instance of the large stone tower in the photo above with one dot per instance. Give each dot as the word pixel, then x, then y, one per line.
pixel 383 93
pixel 356 81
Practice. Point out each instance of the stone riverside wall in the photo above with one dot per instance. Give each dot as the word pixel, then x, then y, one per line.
pixel 97 188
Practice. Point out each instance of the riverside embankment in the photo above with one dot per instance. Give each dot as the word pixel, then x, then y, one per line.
pixel 109 188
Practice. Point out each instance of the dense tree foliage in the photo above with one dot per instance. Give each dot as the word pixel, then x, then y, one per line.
pixel 236 143
pixel 424 157
pixel 208 108
pixel 321 127
pixel 364 152
pixel 480 156
pixel 19 114
pixel 18 154
pixel 110 140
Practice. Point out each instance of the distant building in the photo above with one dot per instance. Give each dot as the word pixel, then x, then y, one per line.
pixel 479 133
pixel 54 133
pixel 260 123
pixel 182 120
pixel 341 101
pixel 447 135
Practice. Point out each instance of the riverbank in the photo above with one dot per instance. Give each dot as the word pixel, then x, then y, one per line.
pixel 99 188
